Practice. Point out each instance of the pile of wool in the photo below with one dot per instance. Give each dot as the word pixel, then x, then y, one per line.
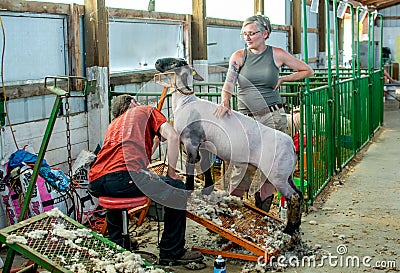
pixel 210 206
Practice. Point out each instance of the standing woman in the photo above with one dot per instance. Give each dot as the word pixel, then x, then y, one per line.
pixel 256 70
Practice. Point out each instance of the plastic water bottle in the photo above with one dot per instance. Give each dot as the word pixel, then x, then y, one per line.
pixel 219 265
pixel 283 208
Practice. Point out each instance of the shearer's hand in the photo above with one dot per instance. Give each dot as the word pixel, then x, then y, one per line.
pixel 221 110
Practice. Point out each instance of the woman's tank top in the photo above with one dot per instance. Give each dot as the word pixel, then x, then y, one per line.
pixel 257 78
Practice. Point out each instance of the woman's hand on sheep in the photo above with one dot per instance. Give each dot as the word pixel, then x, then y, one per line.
pixel 221 110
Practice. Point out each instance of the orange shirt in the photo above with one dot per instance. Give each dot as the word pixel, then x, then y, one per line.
pixel 128 142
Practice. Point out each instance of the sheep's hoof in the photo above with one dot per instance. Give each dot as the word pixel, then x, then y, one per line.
pixel 293 214
pixel 263 205
pixel 291 228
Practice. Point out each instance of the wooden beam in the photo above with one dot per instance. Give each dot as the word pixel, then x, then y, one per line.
pixel 354 3
pixel 370 2
pixel 130 78
pixel 199 30
pixel 187 34
pixel 312 60
pixel 74 43
pixel 340 34
pixel 31 89
pixel 391 18
pixel 290 38
pixel 321 26
pixel 39 7
pixel 296 11
pixel 141 14
pixel 378 3
pixel 224 22
pixel 383 5
pixel 313 30
pixel 96 33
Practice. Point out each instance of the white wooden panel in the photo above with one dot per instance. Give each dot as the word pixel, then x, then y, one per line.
pixel 58 158
pixel 389 40
pixel 34 108
pixel 312 45
pixel 35 45
pixel 312 18
pixel 138 44
pixel 222 42
pixel 279 39
pixel 392 11
pixel 39 107
pixel 98 110
pixel 32 134
pixel 59 140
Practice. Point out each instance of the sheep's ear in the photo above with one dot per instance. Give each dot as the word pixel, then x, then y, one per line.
pixel 196 76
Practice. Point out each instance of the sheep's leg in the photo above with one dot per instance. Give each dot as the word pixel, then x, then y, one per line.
pixel 294 210
pixel 205 164
pixel 190 164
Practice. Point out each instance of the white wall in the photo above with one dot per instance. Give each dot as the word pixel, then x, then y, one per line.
pixel 391 31
pixel 391 39
pixel 34 40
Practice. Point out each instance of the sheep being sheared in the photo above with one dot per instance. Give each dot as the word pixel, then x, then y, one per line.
pixel 236 138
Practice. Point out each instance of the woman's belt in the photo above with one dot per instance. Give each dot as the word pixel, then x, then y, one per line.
pixel 269 109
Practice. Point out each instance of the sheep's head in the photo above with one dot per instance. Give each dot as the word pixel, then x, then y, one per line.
pixel 178 73
pixel 165 64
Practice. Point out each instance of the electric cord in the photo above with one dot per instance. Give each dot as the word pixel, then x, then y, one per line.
pixel 2 84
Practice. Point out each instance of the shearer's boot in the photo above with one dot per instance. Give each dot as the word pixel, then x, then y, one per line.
pixel 263 205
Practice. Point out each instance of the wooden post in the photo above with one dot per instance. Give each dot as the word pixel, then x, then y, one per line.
pixel 296 8
pixel 321 32
pixel 199 38
pixel 74 43
pixel 199 30
pixel 97 69
pixel 96 33
pixel 258 7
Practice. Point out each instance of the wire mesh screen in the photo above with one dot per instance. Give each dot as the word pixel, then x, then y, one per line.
pixel 59 242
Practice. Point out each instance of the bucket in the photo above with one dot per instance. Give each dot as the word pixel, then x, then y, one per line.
pixel 296 181
pixel 156 212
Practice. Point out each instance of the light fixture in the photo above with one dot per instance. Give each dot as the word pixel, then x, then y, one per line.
pixel 314 6
pixel 341 9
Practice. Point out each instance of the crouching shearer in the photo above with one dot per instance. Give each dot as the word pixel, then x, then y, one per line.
pixel 120 170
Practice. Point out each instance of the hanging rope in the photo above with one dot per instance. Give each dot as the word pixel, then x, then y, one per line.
pixel 2 84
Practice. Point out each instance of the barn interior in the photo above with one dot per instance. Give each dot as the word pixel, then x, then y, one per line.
pixel 64 62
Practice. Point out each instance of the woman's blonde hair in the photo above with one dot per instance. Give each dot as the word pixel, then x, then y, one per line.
pixel 261 21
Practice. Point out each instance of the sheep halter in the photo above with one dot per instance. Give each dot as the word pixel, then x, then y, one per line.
pixel 158 80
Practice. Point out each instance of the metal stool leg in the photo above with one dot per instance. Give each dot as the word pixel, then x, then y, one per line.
pixel 126 241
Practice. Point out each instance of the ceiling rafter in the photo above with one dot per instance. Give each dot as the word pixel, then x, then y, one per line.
pixel 379 4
